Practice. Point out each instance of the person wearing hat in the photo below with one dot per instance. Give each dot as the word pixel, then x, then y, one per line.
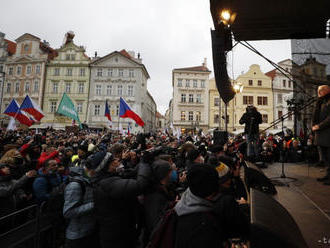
pixel 194 156
pixel 115 200
pixel 197 224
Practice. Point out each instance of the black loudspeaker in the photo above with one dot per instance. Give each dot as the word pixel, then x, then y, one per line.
pixel 256 179
pixel 271 224
pixel 220 137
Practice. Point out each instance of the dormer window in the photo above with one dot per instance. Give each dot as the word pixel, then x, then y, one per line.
pixel 26 48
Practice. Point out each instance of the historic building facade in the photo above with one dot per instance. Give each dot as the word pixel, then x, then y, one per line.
pixel 191 98
pixel 67 73
pixel 257 91
pixel 282 91
pixel 25 70
pixel 120 74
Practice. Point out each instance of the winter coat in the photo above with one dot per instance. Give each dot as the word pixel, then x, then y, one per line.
pixel 322 118
pixel 10 192
pixel 78 208
pixel 251 121
pixel 44 184
pixel 197 225
pixel 115 201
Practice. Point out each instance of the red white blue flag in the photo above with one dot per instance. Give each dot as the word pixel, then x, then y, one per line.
pixel 107 111
pixel 29 106
pixel 14 110
pixel 126 112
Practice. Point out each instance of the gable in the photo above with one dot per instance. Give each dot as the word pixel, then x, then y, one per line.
pixel 115 59
pixel 27 36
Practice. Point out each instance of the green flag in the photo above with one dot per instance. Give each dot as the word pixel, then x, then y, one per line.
pixel 67 108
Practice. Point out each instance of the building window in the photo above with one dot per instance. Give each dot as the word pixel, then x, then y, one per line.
pixel 1 68
pixel 279 98
pixel 98 90
pixel 73 57
pixel 191 116
pixel 38 69
pixel 56 71
pixel 198 116
pixel 179 82
pixel 26 48
pixel 55 87
pixel 191 98
pixel 130 90
pixel 53 107
pixel 259 83
pixel 262 100
pixel 28 69
pixel 109 90
pixel 183 115
pixel 284 83
pixel 17 87
pixel 79 107
pixel 131 73
pixel 216 118
pixel 82 72
pixel 69 72
pixel 280 113
pixel 183 97
pixel 19 70
pixel 250 82
pixel 81 88
pixel 216 101
pixel 97 109
pixel 247 100
pixel 110 72
pixel 11 70
pixel 187 83
pixel 203 84
pixel 67 87
pixel 67 57
pixel 36 86
pixel 120 90
pixel 195 83
pixel 27 87
pixel 117 110
pixel 121 72
pixel 265 118
pixel 199 98
pixel 99 72
pixel 289 84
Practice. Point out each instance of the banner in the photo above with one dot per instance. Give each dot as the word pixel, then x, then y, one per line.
pixel 67 108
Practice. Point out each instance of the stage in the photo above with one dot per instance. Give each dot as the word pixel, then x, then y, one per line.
pixel 307 200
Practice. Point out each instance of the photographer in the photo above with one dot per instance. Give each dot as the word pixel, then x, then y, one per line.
pixel 251 118
pixel 115 200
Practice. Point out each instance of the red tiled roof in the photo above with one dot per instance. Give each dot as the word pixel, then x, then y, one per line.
pixel 196 68
pixel 52 53
pixel 11 47
pixel 125 53
pixel 271 74
pixel 158 115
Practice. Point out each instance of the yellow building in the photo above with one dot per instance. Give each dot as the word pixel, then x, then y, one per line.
pixel 257 91
pixel 214 108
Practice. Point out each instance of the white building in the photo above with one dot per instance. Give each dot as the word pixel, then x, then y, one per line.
pixel 120 74
pixel 190 98
pixel 282 91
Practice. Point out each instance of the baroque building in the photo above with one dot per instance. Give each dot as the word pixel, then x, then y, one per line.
pixel 190 98
pixel 120 74
pixel 67 73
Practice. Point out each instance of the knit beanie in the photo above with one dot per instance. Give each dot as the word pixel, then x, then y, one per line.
pixel 193 154
pixel 203 180
pixel 223 172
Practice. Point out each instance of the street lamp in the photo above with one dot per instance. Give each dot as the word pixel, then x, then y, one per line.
pixel 227 17
pixel 238 87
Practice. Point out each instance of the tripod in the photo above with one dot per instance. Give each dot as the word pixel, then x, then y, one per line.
pixel 283 180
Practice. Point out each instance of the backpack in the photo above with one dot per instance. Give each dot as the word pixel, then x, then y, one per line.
pixel 164 234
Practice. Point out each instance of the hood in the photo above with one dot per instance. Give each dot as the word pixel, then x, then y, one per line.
pixel 191 203
pixel 78 173
pixel 105 161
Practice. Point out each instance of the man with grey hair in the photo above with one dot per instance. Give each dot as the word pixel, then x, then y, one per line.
pixel 321 127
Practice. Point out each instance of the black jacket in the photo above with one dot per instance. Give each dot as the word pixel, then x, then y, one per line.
pixel 251 121
pixel 322 118
pixel 115 202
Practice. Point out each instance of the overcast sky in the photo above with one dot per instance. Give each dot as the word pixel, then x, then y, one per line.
pixel 168 34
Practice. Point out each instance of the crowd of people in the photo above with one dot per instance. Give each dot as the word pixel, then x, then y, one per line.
pixel 108 190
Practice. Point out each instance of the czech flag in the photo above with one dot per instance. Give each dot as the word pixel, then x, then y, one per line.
pixel 29 106
pixel 13 110
pixel 126 112
pixel 128 131
pixel 107 111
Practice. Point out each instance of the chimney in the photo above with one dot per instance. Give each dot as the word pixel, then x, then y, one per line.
pixel 95 54
pixel 205 62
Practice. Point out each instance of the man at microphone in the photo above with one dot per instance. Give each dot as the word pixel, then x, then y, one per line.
pixel 251 118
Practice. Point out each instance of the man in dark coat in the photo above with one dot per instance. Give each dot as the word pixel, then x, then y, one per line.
pixel 321 127
pixel 115 200
pixel 251 118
